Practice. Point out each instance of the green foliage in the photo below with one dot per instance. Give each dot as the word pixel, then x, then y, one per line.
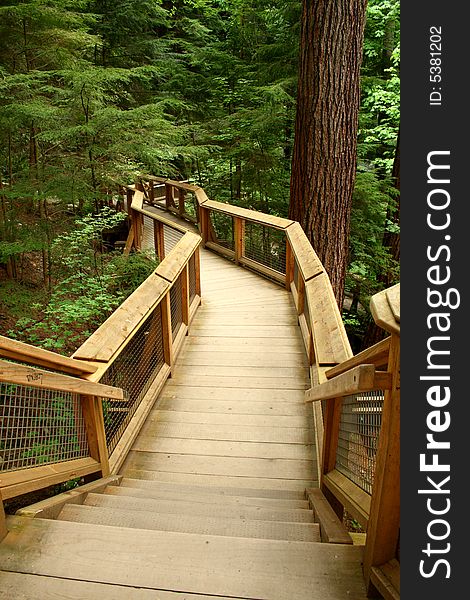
pixel 90 285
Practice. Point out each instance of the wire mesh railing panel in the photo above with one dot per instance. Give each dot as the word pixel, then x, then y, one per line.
pixel 133 370
pixel 176 304
pixel 361 419
pixel 39 427
pixel 171 237
pixel 266 246
pixel 192 278
pixel 148 237
pixel 222 226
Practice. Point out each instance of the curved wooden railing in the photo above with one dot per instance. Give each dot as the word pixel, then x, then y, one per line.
pixel 355 399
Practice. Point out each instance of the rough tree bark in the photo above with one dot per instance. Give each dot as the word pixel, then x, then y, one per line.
pixel 324 154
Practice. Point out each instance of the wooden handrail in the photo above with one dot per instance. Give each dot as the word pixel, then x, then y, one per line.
pixel 363 378
pixel 376 355
pixel 38 378
pixel 26 353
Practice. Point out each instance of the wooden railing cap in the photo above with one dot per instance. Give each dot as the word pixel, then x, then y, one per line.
pixel 385 308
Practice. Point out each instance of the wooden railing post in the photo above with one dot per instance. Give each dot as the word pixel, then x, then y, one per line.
pixel 3 524
pixel 204 224
pixel 197 267
pixel 185 294
pixel 181 198
pixel 166 330
pixel 168 196
pixel 94 422
pixel 151 193
pixel 330 445
pixel 137 220
pixel 239 238
pixel 289 265
pixel 159 239
pixel 384 519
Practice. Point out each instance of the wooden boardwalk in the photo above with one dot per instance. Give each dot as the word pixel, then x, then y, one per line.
pixel 211 504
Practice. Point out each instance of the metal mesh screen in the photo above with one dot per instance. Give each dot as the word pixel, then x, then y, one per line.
pixel 266 246
pixel 176 304
pixel 39 427
pixel 171 238
pixel 148 238
pixel 192 278
pixel 133 370
pixel 361 418
pixel 222 226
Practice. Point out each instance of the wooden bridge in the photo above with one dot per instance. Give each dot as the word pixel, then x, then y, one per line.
pixel 220 419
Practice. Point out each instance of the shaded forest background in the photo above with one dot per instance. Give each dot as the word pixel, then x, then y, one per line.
pixel 93 93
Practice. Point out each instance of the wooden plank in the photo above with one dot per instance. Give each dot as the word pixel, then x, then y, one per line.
pixel 103 344
pixel 51 507
pixel 3 524
pixel 329 336
pixel 220 249
pixel 34 587
pixel 211 418
pixel 44 358
pixel 251 395
pixel 386 579
pixel 376 355
pixel 332 529
pixel 246 433
pixel 363 378
pixel 175 262
pixel 383 314
pixel 223 448
pixel 249 215
pixel 262 269
pixel 234 466
pixel 189 523
pixel 307 260
pixel 34 377
pixel 129 242
pixel 114 498
pixel 208 563
pixel 351 496
pixel 300 372
pixel 92 410
pixel 211 357
pixel 278 486
pixel 137 200
pixel 286 383
pixel 393 298
pixel 239 237
pixel 16 483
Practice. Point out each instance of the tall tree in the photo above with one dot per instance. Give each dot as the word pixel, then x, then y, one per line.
pixel 324 155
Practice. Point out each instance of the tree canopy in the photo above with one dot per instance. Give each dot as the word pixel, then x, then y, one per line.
pixel 93 93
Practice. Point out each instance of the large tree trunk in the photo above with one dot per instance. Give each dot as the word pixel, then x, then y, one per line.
pixel 324 155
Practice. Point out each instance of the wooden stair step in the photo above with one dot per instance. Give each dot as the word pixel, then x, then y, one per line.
pixel 275 468
pixel 190 523
pixel 220 480
pixel 37 587
pixel 331 528
pixel 180 507
pixel 146 443
pixel 183 488
pixel 208 498
pixel 182 562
